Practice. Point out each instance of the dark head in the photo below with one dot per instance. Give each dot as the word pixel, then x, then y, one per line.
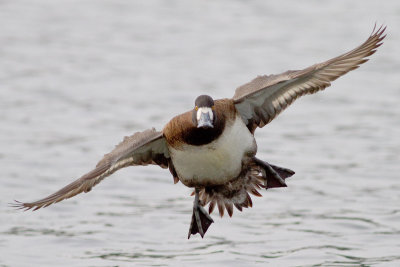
pixel 203 115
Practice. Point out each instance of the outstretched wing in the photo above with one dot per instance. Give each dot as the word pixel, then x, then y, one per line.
pixel 142 148
pixel 262 99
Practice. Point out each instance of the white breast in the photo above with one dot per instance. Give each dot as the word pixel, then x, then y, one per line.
pixel 217 162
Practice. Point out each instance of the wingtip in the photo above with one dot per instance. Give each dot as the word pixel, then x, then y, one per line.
pixel 18 205
pixel 378 32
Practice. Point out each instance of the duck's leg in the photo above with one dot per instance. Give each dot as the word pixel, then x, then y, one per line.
pixel 275 175
pixel 201 220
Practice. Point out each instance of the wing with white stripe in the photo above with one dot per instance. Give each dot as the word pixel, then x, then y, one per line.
pixel 262 99
pixel 142 148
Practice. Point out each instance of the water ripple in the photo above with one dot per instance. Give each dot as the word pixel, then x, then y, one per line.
pixel 77 76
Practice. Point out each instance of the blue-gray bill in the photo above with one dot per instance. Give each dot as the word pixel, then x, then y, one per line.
pixel 205 121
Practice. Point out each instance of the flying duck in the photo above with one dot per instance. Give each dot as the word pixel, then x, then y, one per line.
pixel 212 148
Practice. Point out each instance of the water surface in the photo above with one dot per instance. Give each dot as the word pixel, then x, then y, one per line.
pixel 76 76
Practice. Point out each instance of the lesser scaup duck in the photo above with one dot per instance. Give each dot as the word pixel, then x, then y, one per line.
pixel 212 147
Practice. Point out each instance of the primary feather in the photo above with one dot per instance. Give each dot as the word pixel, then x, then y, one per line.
pixel 262 99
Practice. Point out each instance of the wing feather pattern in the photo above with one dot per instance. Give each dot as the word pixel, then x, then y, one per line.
pixel 262 99
pixel 142 148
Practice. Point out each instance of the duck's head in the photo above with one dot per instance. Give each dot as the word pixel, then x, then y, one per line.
pixel 203 114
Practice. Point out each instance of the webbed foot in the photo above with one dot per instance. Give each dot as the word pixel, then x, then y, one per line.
pixel 201 220
pixel 275 175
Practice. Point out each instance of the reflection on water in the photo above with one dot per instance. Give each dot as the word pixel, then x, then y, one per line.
pixel 76 77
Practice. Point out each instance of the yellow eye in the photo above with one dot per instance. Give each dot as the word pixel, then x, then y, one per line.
pixel 196 108
pixel 213 107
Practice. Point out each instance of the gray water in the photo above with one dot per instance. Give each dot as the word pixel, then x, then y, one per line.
pixel 76 76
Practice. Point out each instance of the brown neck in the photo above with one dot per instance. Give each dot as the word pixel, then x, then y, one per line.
pixel 181 130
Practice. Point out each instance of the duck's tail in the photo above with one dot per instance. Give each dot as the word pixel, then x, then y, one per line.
pixel 258 174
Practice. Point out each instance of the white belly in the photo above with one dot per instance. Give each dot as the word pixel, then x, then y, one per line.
pixel 217 162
